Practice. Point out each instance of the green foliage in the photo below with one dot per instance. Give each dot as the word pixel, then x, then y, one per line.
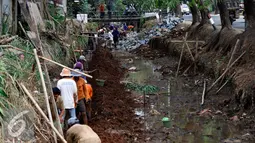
pixel 3 95
pixel 5 24
pixel 142 88
pixel 92 26
pixel 204 5
pixel 57 14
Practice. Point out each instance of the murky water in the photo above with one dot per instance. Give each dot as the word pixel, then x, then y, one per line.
pixel 179 100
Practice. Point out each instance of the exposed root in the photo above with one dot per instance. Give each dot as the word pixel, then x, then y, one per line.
pixel 201 31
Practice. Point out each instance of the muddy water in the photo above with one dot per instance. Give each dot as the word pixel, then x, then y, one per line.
pixel 178 99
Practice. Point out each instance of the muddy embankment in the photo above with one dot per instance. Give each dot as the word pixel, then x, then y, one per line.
pixel 215 57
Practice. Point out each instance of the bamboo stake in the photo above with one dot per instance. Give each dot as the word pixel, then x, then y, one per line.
pixel 42 113
pixel 225 72
pixel 203 95
pixel 225 83
pixel 190 51
pixel 196 56
pixel 187 70
pixel 10 46
pixel 233 53
pixel 46 96
pixel 179 61
pixel 184 39
pixel 180 41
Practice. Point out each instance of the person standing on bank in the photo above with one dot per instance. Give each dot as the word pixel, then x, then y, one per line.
pixel 101 8
pixel 68 89
pixel 82 91
pixel 116 35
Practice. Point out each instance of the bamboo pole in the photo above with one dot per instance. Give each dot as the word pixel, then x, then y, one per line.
pixel 216 81
pixel 225 83
pixel 203 95
pixel 233 53
pixel 18 49
pixel 42 113
pixel 46 96
pixel 190 51
pixel 179 61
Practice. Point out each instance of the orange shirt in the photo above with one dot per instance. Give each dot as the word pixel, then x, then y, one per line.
pixel 89 91
pixel 81 88
pixel 101 7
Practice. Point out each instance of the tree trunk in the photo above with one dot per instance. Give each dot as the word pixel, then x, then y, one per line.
pixel 249 7
pixel 224 15
pixel 204 14
pixel 178 12
pixel 216 9
pixel 195 13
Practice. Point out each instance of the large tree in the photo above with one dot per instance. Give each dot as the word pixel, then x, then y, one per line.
pixel 195 12
pixel 224 14
pixel 249 7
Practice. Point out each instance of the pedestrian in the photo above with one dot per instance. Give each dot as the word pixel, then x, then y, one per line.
pixel 109 8
pixel 82 91
pixel 59 104
pixel 68 92
pixel 81 134
pixel 116 35
pixel 101 8
pixel 88 98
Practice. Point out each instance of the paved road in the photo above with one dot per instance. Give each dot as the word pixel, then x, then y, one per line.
pixel 239 23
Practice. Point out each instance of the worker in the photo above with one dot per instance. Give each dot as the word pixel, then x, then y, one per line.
pixel 116 35
pixel 84 62
pixel 101 8
pixel 81 134
pixel 82 91
pixel 88 99
pixel 109 8
pixel 130 27
pixel 68 91
pixel 59 104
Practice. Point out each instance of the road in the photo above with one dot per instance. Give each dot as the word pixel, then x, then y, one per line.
pixel 239 23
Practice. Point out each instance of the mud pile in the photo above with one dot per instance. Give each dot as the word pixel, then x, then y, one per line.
pixel 113 108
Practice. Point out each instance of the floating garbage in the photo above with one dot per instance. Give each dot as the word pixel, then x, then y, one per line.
pixel 166 122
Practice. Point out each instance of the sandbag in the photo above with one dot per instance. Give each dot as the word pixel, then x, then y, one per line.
pixel 81 134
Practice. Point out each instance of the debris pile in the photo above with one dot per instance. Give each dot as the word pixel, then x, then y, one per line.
pixel 135 40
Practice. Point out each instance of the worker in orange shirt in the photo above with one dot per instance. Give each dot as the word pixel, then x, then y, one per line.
pixel 101 8
pixel 82 91
pixel 88 98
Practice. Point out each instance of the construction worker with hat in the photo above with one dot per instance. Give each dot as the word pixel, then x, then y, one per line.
pixel 68 89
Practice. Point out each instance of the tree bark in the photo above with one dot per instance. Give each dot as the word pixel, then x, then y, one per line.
pixel 195 13
pixel 224 15
pixel 249 7
pixel 204 14
pixel 178 12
